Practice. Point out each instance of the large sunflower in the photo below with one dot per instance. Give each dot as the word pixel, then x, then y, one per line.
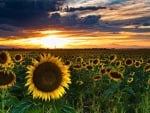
pixel 47 78
pixel 5 58
pixel 7 79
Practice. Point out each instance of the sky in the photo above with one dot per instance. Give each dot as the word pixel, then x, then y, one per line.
pixel 74 24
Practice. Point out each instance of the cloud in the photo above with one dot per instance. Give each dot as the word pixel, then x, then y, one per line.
pixel 24 12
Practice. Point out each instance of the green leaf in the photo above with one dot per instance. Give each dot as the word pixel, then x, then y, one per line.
pixel 22 106
pixel 129 90
pixel 68 109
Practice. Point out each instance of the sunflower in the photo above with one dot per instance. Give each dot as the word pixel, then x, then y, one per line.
pixel 112 57
pixel 122 68
pixel 147 68
pixel 118 63
pixel 18 58
pixel 47 78
pixel 68 63
pixel 132 73
pixel 79 82
pixel 5 58
pixel 129 62
pixel 97 77
pixel 7 79
pixel 90 67
pixel 77 66
pixel 115 75
pixel 148 61
pixel 79 59
pixel 137 64
pixel 103 71
pixel 96 61
pixel 130 79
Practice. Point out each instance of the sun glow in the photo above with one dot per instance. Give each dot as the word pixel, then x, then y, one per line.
pixel 51 42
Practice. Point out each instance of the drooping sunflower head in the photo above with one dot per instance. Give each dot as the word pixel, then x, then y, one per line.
pixel 18 58
pixel 115 75
pixel 5 58
pixel 7 79
pixel 47 78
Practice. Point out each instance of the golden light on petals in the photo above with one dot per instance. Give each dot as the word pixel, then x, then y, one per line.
pixel 47 78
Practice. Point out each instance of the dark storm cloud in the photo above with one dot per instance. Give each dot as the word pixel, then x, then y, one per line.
pixel 93 8
pixel 23 12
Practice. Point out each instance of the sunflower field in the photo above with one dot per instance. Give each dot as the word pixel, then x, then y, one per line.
pixel 75 81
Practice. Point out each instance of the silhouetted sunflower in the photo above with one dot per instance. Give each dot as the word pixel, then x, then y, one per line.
pixel 47 78
pixel 115 75
pixel 7 79
pixel 5 58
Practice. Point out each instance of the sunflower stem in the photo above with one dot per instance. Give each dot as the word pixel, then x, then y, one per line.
pixel 2 99
pixel 54 106
pixel 43 107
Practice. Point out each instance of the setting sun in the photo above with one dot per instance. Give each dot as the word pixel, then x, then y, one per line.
pixel 51 42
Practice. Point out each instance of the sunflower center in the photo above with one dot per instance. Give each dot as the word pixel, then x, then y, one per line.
pixel 115 75
pixel 6 78
pixel 3 58
pixel 17 57
pixel 129 62
pixel 47 77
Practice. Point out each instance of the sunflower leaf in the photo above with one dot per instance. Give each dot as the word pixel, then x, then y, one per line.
pixel 22 106
pixel 68 109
